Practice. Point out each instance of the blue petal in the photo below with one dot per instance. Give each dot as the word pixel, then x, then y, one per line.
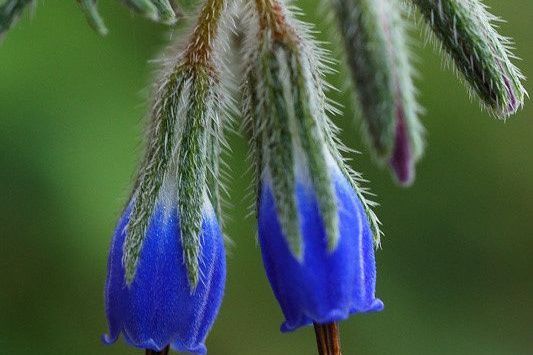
pixel 159 308
pixel 325 286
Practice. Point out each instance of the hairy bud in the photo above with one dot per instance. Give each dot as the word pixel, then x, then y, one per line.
pixel 466 32
pixel 375 40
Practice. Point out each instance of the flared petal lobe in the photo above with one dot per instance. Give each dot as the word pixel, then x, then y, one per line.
pixel 325 286
pixel 159 307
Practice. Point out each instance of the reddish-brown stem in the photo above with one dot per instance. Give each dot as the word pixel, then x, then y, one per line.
pixel 328 339
pixel 162 352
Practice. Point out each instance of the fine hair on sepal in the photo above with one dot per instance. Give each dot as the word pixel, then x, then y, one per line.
pixel 374 34
pixel 184 136
pixel 466 32
pixel 285 111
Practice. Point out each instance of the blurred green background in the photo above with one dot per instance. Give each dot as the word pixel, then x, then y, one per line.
pixel 455 270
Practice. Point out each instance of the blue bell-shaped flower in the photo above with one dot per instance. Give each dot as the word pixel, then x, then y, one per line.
pixel 324 286
pixel 159 307
pixel 316 230
pixel 167 268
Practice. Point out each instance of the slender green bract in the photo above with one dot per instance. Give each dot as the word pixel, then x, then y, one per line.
pixel 165 10
pixel 143 7
pixel 161 144
pixel 312 137
pixel 277 151
pixel 465 30
pixel 93 17
pixel 192 171
pixel 10 11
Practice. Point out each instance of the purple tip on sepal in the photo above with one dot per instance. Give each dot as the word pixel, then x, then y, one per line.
pixel 512 105
pixel 401 160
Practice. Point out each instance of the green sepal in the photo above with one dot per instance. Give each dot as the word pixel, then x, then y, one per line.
pixel 277 147
pixel 10 11
pixel 94 19
pixel 144 7
pixel 481 55
pixel 161 138
pixel 192 173
pixel 166 11
pixel 312 138
pixel 365 43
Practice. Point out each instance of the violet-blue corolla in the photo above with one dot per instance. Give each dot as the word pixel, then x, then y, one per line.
pixel 159 307
pixel 322 286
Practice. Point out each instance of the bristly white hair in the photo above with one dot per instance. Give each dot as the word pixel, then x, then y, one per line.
pixel 192 85
pixel 493 52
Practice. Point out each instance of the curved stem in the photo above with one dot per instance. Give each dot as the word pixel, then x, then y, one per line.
pixel 328 339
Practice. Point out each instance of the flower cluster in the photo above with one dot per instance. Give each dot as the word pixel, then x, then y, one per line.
pixel 316 227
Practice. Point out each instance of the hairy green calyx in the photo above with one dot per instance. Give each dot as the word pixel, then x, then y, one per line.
pixel 292 138
pixel 183 145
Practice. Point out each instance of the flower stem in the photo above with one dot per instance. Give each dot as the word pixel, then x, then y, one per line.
pixel 162 352
pixel 328 339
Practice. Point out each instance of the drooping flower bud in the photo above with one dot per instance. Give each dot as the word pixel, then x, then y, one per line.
pixel 314 223
pixel 167 266
pixel 375 40
pixel 466 32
